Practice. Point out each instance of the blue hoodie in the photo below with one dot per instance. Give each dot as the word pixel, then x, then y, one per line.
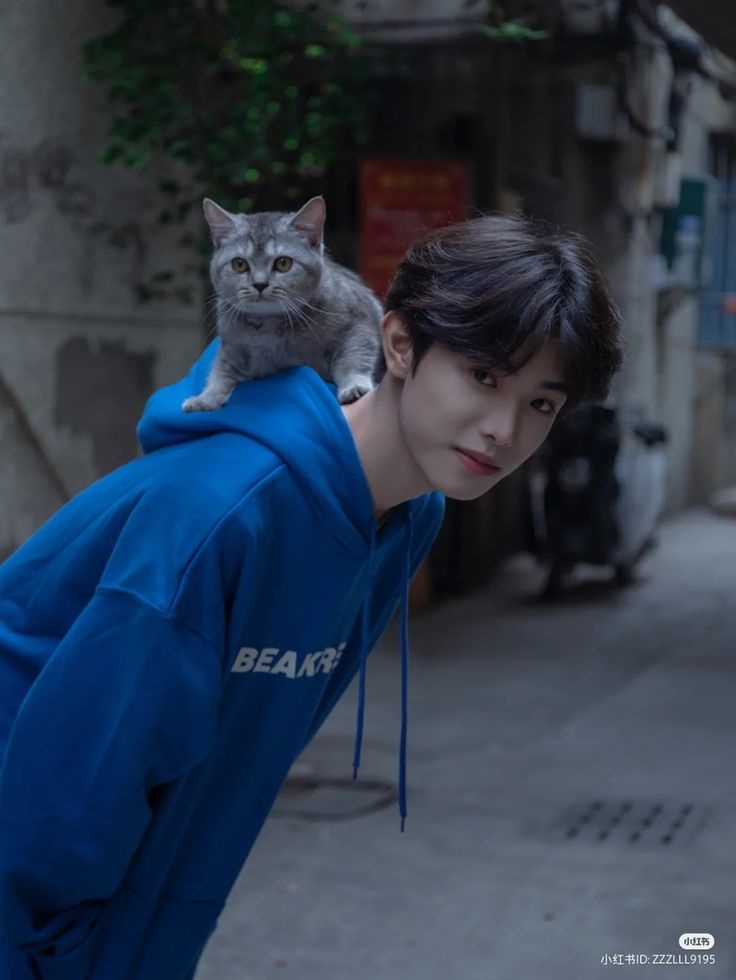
pixel 170 641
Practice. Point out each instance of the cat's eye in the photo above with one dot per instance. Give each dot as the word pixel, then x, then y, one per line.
pixel 283 263
pixel 239 264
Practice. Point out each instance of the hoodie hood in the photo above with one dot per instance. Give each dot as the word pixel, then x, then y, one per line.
pixel 297 416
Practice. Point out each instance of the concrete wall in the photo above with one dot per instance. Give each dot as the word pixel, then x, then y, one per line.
pixel 79 354
pixel 663 374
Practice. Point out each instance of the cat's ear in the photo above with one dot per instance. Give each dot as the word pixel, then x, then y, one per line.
pixel 221 222
pixel 310 220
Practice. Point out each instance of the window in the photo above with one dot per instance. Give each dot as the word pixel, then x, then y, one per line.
pixel 717 329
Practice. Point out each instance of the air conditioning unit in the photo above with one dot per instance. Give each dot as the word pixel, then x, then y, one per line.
pixel 598 115
pixel 667 178
pixel 589 18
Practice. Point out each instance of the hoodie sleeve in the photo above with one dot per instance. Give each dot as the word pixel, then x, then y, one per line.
pixel 127 702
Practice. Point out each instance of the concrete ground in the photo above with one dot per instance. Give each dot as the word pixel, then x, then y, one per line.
pixel 572 792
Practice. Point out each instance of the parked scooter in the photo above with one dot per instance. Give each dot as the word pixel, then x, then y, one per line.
pixel 595 492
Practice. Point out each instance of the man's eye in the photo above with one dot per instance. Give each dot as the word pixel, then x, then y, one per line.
pixel 484 377
pixel 551 408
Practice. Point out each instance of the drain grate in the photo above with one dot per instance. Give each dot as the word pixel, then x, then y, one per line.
pixel 332 797
pixel 635 824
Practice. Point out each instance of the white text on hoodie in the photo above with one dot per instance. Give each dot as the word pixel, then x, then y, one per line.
pixel 268 661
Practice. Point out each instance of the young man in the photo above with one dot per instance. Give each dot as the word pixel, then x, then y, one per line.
pixel 174 636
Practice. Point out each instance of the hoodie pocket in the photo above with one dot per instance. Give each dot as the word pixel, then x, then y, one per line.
pixel 14 963
pixel 160 940
pixel 74 965
pixel 133 938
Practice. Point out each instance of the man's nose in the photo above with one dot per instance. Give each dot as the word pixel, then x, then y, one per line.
pixel 500 426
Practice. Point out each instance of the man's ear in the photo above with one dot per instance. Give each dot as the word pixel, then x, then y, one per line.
pixel 397 347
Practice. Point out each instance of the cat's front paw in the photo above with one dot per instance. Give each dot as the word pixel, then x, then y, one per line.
pixel 355 390
pixel 202 403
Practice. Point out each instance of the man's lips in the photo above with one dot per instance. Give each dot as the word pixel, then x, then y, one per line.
pixel 479 462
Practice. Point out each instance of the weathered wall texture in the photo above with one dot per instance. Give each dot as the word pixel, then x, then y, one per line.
pixel 79 354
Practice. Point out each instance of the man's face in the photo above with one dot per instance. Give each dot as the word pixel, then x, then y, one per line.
pixel 450 406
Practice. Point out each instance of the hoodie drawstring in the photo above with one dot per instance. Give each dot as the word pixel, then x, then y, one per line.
pixel 362 658
pixel 404 669
pixel 406 575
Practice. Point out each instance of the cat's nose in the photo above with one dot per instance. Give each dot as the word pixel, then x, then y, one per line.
pixel 260 286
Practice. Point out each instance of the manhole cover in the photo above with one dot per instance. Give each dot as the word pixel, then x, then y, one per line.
pixel 332 797
pixel 634 824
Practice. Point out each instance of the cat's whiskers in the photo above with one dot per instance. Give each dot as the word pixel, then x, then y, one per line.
pixel 289 308
pixel 301 303
pixel 285 309
pixel 232 314
pixel 211 311
pixel 304 302
pixel 300 315
pixel 295 308
pixel 227 311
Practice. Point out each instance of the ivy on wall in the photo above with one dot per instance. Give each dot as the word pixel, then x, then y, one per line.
pixel 248 99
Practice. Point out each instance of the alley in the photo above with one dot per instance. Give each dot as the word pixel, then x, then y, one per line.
pixel 534 729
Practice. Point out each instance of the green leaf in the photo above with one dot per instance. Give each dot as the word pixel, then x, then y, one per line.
pixel 169 186
pixel 512 31
pixel 180 149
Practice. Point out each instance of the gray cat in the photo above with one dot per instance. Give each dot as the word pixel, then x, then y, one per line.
pixel 281 302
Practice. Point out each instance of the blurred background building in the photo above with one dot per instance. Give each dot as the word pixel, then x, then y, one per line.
pixel 617 120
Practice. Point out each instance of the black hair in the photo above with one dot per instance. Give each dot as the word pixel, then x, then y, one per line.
pixel 497 287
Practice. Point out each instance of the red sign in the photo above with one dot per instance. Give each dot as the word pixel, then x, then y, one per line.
pixel 401 200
